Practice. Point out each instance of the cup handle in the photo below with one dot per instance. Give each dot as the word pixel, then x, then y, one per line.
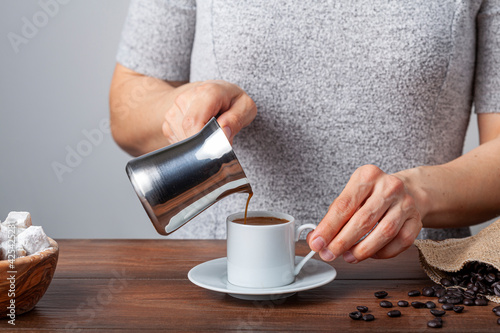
pixel 301 264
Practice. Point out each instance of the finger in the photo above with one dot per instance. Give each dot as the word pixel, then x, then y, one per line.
pixel 385 231
pixel 240 115
pixel 388 191
pixel 405 238
pixel 358 188
pixel 183 100
pixel 207 101
pixel 168 133
pixel 359 225
pixel 174 118
pixel 308 237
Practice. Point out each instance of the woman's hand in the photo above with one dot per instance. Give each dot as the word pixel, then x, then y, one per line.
pixel 200 101
pixel 374 200
pixel 148 113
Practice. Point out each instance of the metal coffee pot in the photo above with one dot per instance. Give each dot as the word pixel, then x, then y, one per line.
pixel 176 183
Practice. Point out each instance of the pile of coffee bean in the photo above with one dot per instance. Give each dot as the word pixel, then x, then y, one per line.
pixel 477 278
pixel 450 299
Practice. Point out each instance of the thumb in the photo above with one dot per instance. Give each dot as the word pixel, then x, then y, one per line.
pixel 240 115
pixel 308 238
pixel 227 130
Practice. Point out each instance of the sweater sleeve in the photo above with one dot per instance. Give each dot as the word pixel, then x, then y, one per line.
pixel 157 38
pixel 487 78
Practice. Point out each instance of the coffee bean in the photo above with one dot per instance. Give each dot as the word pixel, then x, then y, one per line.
pixel 386 304
pixel 403 304
pixel 435 323
pixel 446 282
pixel 454 300
pixel 481 302
pixel 439 319
pixel 442 299
pixel 356 315
pixel 430 305
pixel 496 309
pixel 362 308
pixel 437 313
pixel 394 313
pixel 381 294
pixel 368 317
pixel 447 306
pixel 497 313
pixel 458 308
pixel 490 277
pixel 437 287
pixel 428 292
pixel 414 293
pixel 418 305
pixel 469 302
pixel 498 321
pixel 440 292
pixel 496 289
pixel 454 294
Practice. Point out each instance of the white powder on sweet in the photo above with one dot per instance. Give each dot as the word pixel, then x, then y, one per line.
pixel 19 219
pixel 33 240
pixel 30 239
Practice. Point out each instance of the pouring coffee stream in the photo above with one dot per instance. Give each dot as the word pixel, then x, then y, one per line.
pixel 250 195
pixel 178 182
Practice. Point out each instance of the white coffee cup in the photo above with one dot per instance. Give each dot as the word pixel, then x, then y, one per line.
pixel 263 256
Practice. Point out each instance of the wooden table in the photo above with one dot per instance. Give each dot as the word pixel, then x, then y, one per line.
pixel 142 285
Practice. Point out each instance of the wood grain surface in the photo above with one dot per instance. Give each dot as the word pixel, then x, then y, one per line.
pixel 142 285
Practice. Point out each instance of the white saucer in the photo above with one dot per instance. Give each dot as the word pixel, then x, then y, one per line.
pixel 212 275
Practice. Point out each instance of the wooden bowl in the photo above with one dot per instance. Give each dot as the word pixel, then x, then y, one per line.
pixel 32 278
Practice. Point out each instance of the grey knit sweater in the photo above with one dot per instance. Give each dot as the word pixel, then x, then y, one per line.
pixel 338 84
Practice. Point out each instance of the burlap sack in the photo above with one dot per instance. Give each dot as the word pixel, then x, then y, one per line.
pixel 450 255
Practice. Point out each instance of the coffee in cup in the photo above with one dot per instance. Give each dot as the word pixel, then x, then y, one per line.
pixel 261 220
pixel 261 252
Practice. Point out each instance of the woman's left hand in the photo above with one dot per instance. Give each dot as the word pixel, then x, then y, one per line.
pixel 374 200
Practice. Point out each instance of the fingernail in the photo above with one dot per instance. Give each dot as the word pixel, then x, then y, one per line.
pixel 348 257
pixel 326 255
pixel 227 131
pixel 318 244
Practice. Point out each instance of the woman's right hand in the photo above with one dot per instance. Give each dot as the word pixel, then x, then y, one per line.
pixel 198 102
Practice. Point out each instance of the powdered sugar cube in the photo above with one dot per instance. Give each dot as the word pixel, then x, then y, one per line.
pixel 20 219
pixel 7 231
pixel 4 233
pixel 33 240
pixel 6 249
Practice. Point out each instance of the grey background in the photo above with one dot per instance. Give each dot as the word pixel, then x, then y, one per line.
pixel 51 92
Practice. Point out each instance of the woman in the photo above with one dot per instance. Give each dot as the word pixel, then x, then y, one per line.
pixel 382 90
